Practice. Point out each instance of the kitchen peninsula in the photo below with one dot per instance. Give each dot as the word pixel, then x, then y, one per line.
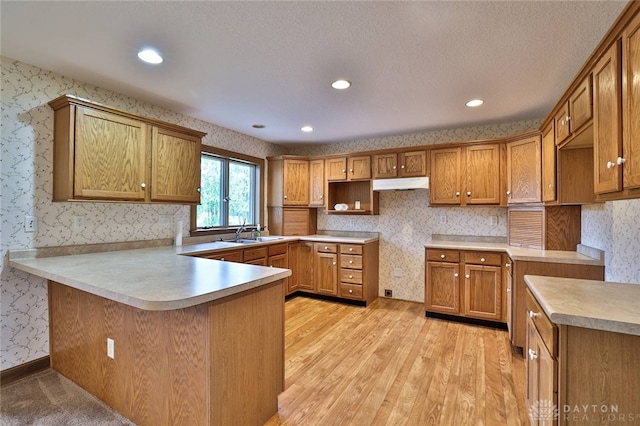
pixel 165 338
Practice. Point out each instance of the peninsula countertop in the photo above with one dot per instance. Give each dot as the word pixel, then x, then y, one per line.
pixel 590 304
pixel 153 279
pixel 518 253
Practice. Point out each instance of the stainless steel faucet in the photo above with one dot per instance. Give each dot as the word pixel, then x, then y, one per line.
pixel 241 229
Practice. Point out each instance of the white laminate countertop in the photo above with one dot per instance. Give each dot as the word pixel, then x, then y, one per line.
pixel 152 278
pixel 591 304
pixel 518 253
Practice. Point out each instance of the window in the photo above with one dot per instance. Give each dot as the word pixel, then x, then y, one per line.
pixel 230 191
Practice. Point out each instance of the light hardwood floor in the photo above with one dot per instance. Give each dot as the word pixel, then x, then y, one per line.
pixel 389 365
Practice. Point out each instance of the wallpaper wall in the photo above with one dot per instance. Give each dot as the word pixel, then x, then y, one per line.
pixel 26 174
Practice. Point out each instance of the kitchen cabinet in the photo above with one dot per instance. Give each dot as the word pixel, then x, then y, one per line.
pixel 575 113
pixel 524 170
pixel 480 293
pixel 542 376
pixel 288 182
pixel 228 256
pixel 466 175
pixel 350 192
pixel 544 227
pixel 306 269
pixel 326 269
pixel 292 221
pixel 403 164
pixel 508 269
pixel 349 168
pixel 616 129
pixel 351 266
pixel 104 154
pixel 548 164
pixel 317 183
pixel 255 256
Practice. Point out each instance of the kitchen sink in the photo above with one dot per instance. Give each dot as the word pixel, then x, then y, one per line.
pixel 258 240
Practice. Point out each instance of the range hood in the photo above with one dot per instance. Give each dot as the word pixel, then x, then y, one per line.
pixel 401 184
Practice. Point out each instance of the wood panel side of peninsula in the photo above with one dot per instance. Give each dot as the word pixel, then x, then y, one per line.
pixel 220 362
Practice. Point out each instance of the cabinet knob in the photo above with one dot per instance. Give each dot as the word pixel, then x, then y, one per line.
pixel 351 170
pixel 350 276
pixel 442 256
pixel 482 259
pixel 326 248
pixel 532 354
pixel 508 290
pixel 322 197
pixel 350 291
pixel 394 167
pixel 620 161
pixel 468 193
pixel 350 249
pixel 507 265
pixel 562 122
pixel 334 263
pixel 610 164
pixel 198 189
pixel 457 193
pixel 402 167
pixel 143 185
pixel 344 170
pixel 508 193
pixel 467 276
pixel 222 258
pixel 351 262
pixel 285 197
pixel 532 314
pixel 455 275
pixel 550 185
pixel 568 118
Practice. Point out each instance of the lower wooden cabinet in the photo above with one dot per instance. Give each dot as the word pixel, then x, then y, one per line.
pixel 326 269
pixel 479 293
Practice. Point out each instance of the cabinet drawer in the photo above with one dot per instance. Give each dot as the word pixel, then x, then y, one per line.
pixel 443 255
pixel 350 261
pixel 326 248
pixel 350 249
pixel 351 291
pixel 351 276
pixel 548 331
pixel 260 262
pixel 229 256
pixel 479 258
pixel 255 253
pixel 277 249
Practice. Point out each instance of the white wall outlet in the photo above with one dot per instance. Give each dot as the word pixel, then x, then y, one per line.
pixel 397 272
pixel 443 218
pixel 111 348
pixel 493 220
pixel 30 223
pixel 78 223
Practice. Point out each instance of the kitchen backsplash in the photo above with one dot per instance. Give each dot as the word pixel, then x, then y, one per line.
pixel 27 161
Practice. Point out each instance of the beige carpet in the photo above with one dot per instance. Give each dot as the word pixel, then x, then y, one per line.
pixel 49 399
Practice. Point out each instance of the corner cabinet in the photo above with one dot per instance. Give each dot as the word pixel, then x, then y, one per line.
pixel 104 154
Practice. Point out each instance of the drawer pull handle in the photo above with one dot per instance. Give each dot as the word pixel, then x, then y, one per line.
pixel 455 275
pixel 442 256
pixel 532 354
pixel 350 276
pixel 334 263
pixel 326 248
pixel 482 259
pixel 351 262
pixel 222 258
pixel 508 290
pixel 350 249
pixel 467 276
pixel 350 291
pixel 532 314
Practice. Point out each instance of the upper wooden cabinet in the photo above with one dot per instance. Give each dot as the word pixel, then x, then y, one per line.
pixel 349 168
pixel 548 163
pixel 463 176
pixel 316 183
pixel 631 104
pixel 577 112
pixel 403 164
pixel 105 154
pixel 288 182
pixel 524 172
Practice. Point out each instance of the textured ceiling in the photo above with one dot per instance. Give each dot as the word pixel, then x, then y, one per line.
pixel 413 64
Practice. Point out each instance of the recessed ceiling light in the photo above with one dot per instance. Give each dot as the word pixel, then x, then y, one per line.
pixel 474 103
pixel 258 126
pixel 150 56
pixel 341 84
pixel 307 129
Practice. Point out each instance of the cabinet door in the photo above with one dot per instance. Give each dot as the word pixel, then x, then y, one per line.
pixel 296 183
pixel 483 292
pixel 524 164
pixel 483 174
pixel 385 166
pixel 336 168
pixel 442 288
pixel 413 164
pixel 326 274
pixel 294 265
pixel 548 164
pixel 306 255
pixel 607 132
pixel 541 376
pixel 580 105
pixel 445 176
pixel 562 124
pixel 316 182
pixel 509 295
pixel 110 156
pixel 175 166
pixel 359 167
pixel 631 103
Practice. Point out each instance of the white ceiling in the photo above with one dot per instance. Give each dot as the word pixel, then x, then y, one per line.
pixel 413 64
